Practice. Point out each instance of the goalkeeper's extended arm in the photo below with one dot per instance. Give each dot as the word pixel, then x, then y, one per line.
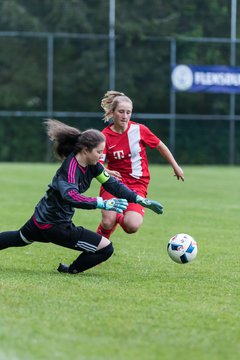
pixel 118 205
pixel 150 204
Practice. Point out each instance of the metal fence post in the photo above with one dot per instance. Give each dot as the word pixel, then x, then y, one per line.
pixel 50 55
pixel 232 96
pixel 172 123
pixel 112 44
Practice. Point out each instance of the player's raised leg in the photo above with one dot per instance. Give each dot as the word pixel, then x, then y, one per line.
pixel 108 223
pixel 130 221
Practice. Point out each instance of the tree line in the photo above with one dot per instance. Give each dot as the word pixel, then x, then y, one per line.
pixel 81 74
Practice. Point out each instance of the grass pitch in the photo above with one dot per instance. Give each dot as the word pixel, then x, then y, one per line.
pixel 139 305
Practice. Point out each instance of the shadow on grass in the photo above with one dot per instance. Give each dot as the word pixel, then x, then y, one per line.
pixel 46 272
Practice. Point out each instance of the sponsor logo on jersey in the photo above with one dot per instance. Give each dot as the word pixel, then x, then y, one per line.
pixel 118 154
pixel 111 147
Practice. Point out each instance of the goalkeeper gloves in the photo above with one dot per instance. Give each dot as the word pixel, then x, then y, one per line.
pixel 150 204
pixel 114 204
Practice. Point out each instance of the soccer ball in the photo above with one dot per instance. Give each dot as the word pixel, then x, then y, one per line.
pixel 182 248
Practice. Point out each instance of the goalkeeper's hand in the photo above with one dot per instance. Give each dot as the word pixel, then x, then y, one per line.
pixel 118 205
pixel 150 204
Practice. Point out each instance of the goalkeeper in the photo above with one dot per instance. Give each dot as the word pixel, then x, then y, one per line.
pixel 52 217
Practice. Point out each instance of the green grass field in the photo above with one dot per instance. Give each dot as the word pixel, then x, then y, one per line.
pixel 139 305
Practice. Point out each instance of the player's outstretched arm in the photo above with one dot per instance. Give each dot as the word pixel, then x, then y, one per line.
pixel 166 153
pixel 150 204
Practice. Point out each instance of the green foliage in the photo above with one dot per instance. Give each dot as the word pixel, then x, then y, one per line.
pixel 139 305
pixel 54 15
pixel 197 142
pixel 81 66
pixel 22 140
pixel 23 74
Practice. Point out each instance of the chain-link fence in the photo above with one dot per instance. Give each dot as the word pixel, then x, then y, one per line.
pixel 51 75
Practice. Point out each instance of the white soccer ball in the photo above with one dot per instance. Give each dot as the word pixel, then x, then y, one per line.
pixel 182 248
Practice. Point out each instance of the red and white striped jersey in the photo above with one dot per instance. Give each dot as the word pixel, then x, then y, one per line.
pixel 126 152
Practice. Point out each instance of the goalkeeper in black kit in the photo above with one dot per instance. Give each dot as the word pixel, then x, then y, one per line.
pixel 51 221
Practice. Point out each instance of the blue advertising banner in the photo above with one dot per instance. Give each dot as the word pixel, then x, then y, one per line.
pixel 215 79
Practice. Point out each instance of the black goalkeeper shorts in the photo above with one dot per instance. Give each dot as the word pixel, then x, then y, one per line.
pixel 64 234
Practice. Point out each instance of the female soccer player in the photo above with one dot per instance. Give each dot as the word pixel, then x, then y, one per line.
pixel 126 159
pixel 52 218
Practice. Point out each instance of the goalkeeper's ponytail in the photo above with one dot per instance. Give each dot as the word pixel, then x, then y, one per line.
pixel 67 139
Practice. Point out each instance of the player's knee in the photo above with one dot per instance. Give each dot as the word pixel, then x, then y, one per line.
pixel 106 252
pixel 132 223
pixel 108 223
pixel 131 228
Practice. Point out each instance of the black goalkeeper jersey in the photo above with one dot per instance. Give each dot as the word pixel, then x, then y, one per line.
pixel 69 183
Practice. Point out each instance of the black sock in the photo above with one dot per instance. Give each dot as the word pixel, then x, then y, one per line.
pixel 11 239
pixel 88 260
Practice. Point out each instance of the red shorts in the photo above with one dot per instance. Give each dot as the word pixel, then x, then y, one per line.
pixel 131 206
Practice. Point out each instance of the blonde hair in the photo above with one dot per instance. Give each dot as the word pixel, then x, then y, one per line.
pixel 110 101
